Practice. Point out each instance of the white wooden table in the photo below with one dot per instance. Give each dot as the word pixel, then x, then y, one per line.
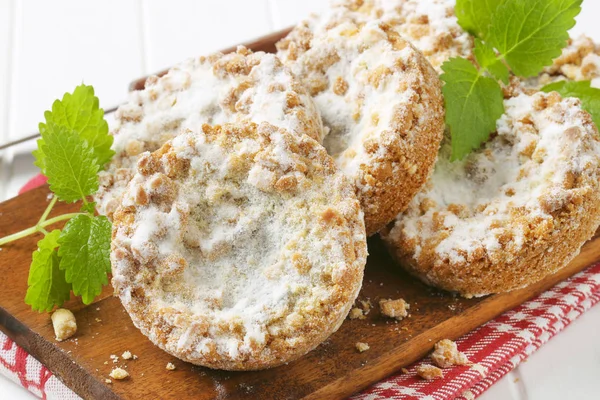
pixel 49 47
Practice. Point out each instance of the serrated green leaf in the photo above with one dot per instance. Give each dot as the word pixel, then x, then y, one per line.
pixel 583 90
pixel 473 105
pixel 88 207
pixel 84 252
pixel 530 34
pixel 47 284
pixel 68 162
pixel 487 59
pixel 80 112
pixel 475 16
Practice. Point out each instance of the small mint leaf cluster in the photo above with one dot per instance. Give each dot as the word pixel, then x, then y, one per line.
pixel 518 36
pixel 74 147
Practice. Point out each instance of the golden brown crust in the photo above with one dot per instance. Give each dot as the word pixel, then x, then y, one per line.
pixel 543 207
pixel 381 101
pixel 185 246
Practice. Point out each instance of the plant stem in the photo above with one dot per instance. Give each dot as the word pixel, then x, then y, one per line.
pixel 48 209
pixel 38 228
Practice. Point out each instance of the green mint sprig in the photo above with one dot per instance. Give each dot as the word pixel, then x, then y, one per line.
pixel 521 35
pixel 74 147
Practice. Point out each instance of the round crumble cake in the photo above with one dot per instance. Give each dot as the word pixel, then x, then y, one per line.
pixel 381 104
pixel 239 246
pixel 215 89
pixel 512 212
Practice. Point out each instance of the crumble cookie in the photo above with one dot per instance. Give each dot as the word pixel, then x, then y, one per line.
pixel 430 25
pixel 512 212
pixel 238 247
pixel 579 61
pixel 381 104
pixel 215 90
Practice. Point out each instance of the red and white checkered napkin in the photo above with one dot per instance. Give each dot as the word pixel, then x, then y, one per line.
pixel 495 348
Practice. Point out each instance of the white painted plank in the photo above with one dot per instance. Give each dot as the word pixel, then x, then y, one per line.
pixel 63 43
pixel 5 37
pixel 289 12
pixel 179 29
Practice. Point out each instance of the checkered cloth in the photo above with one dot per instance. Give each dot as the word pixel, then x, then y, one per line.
pixel 494 349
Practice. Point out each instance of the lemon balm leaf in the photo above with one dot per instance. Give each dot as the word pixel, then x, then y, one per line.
pixel 80 112
pixel 47 284
pixel 530 34
pixel 473 105
pixel 85 254
pixel 475 16
pixel 68 162
pixel 487 59
pixel 583 90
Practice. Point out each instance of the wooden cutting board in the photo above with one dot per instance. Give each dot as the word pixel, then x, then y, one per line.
pixel 334 370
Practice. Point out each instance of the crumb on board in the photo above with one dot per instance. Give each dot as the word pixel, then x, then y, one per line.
pixel 126 355
pixel 114 358
pixel 429 372
pixel 361 347
pixel 170 367
pixel 356 313
pixel 64 324
pixel 98 320
pixel 446 354
pixel 135 357
pixel 366 306
pixel 119 374
pixel 107 381
pixel 105 362
pixel 397 309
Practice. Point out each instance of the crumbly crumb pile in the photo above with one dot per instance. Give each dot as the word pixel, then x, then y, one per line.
pixel 429 372
pixel 482 224
pixel 430 25
pixel 446 354
pixel 119 374
pixel 356 313
pixel 397 309
pixel 380 101
pixel 238 246
pixel 64 324
pixel 170 367
pixel 215 89
pixel 579 61
pixel 362 347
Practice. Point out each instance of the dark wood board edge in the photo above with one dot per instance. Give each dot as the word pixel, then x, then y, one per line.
pixel 264 43
pixel 63 367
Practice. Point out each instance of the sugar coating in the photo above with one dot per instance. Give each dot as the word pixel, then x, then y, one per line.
pixel 238 246
pixel 214 89
pixel 430 25
pixel 511 212
pixel 579 61
pixel 380 101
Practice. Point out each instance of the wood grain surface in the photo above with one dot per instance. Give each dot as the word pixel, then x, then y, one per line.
pixel 334 370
